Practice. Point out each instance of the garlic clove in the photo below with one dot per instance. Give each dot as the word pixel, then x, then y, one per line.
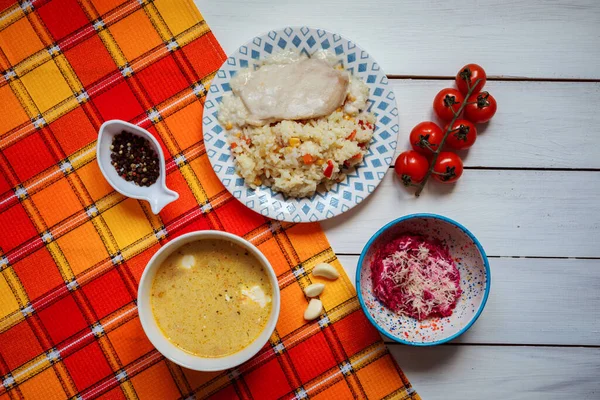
pixel 326 271
pixel 314 310
pixel 314 290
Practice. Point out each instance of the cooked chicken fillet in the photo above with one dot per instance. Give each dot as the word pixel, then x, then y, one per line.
pixel 306 89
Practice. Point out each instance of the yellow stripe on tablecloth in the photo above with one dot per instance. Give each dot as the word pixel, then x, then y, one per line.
pixel 9 306
pixel 24 98
pixel 139 246
pixel 40 28
pixel 10 320
pixel 31 368
pixel 10 16
pixel 61 262
pixel 60 109
pixel 214 386
pixel 179 377
pixel 177 21
pixel 192 33
pixel 128 390
pixel 367 355
pixel 112 47
pixel 194 184
pixel 63 375
pixel 158 22
pixel 83 156
pixel 67 71
pixel 16 287
pixel 103 229
pixel 108 201
pixel 32 62
pixel 109 352
pixel 89 8
pixel 170 144
pixel 34 215
pixel 80 189
pixel 39 57
pixel 154 219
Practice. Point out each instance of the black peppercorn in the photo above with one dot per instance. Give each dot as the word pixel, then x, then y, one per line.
pixel 135 160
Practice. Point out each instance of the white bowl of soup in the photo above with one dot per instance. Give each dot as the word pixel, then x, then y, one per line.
pixel 208 300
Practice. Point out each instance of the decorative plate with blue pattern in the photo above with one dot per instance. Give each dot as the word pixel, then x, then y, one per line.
pixel 359 183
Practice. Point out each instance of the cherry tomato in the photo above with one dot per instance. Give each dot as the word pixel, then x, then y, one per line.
pixel 411 167
pixel 482 109
pixel 424 134
pixel 447 102
pixel 470 73
pixel 463 134
pixel 448 167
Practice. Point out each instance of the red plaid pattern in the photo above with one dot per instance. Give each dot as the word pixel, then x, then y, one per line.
pixel 72 250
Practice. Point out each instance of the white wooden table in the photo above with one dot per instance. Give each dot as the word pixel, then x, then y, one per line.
pixel 531 189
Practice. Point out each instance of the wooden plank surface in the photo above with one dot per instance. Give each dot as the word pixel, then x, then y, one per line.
pixel 452 372
pixel 536 39
pixel 538 124
pixel 535 301
pixel 512 213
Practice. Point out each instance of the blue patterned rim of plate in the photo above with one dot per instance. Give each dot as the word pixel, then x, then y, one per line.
pixel 359 183
pixel 475 280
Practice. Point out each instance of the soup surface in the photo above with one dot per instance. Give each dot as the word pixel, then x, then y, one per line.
pixel 211 298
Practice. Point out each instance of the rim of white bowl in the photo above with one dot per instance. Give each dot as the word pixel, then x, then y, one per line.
pixel 413 216
pixel 178 355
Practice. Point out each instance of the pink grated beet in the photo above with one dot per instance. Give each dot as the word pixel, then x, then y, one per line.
pixel 416 277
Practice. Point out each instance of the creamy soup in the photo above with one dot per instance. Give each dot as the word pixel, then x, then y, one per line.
pixel 211 298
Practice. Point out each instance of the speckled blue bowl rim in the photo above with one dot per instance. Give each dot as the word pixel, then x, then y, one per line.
pixel 434 216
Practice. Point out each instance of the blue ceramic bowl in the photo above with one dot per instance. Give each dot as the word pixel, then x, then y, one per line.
pixel 472 264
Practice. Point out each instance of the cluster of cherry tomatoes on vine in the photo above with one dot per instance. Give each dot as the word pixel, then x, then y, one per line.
pixel 459 115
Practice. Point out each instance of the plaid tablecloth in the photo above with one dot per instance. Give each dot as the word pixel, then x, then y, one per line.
pixel 72 250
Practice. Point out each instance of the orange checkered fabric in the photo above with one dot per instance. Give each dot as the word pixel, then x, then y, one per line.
pixel 72 250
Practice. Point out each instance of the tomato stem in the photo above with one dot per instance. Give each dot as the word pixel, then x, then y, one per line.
pixel 437 152
pixel 465 75
pixel 424 142
pixel 407 181
pixel 428 146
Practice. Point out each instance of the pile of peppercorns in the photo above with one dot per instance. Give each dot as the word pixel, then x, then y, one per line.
pixel 134 159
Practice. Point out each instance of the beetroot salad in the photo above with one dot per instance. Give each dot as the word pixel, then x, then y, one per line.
pixel 416 277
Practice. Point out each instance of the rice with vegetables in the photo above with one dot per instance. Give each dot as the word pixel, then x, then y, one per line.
pixel 299 157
